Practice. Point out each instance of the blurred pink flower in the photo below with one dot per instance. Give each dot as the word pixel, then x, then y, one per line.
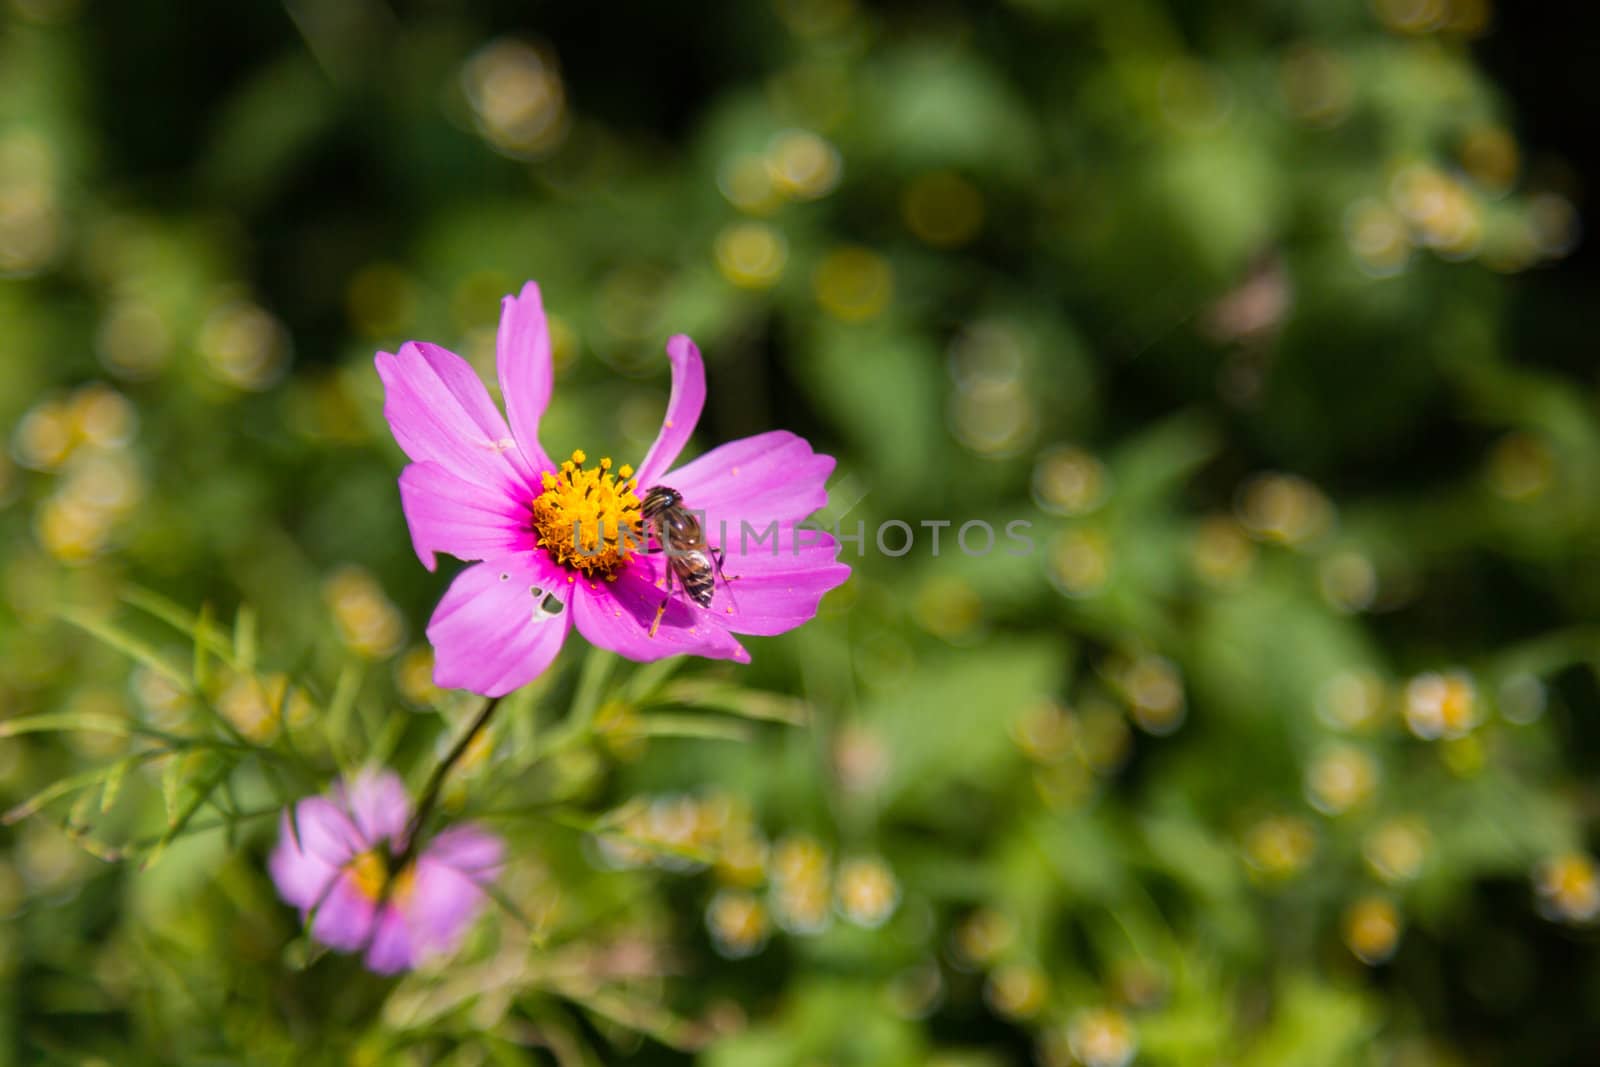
pixel 333 863
pixel 485 491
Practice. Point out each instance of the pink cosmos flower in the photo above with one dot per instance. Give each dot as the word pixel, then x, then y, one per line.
pixel 333 863
pixel 547 535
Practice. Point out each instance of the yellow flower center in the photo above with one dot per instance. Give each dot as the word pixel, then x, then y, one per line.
pixel 368 873
pixel 588 519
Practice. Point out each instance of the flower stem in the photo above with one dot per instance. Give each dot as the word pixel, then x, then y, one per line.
pixel 430 792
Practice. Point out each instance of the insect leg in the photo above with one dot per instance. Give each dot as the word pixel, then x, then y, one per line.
pixel 727 580
pixel 661 609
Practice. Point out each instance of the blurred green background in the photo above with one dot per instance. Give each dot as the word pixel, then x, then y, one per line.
pixel 1280 748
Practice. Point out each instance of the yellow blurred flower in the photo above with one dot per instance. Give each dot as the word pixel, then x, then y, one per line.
pixel 802 165
pixel 746 182
pixel 43 437
pixel 1441 705
pixel 1284 508
pixel 1045 732
pixel 134 339
pixel 1371 927
pixel 1348 580
pixel 413 676
pixel 1351 700
pixel 802 905
pixel 368 622
pixel 1220 551
pixel 70 530
pixel 751 255
pixel 259 706
pixel 102 417
pixel 517 97
pixel 1568 888
pixel 1279 847
pixel 984 936
pixel 1397 849
pixel 166 705
pixel 742 859
pixel 1378 237
pixel 1080 561
pixel 1153 689
pixel 1442 213
pixel 244 345
pixel 867 891
pixel 1340 778
pixel 1017 990
pixel 799 857
pixel 738 923
pixel 1068 480
pixel 1102 1037
pixel 853 284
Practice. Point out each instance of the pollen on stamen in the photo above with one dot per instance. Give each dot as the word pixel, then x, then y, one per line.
pixel 586 519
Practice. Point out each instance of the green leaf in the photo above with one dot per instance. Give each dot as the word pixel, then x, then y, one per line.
pixel 176 822
pixel 129 645
pixel 736 700
pixel 950 719
pixel 113 785
pixel 68 722
pixel 342 704
pixel 199 629
pixel 650 677
pixel 244 639
pixel 200 670
pixel 707 727
pixel 597 667
pixel 72 783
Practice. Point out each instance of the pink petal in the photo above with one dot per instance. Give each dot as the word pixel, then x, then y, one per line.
pixel 771 477
pixel 442 904
pixel 441 413
pixel 469 850
pixel 343 919
pixel 618 615
pixel 522 360
pixel 771 593
pixel 489 634
pixel 326 831
pixel 301 876
pixel 683 409
pixel 392 950
pixel 750 494
pixel 447 514
pixel 379 804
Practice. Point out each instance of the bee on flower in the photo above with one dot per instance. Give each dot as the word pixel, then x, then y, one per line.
pixel 557 546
